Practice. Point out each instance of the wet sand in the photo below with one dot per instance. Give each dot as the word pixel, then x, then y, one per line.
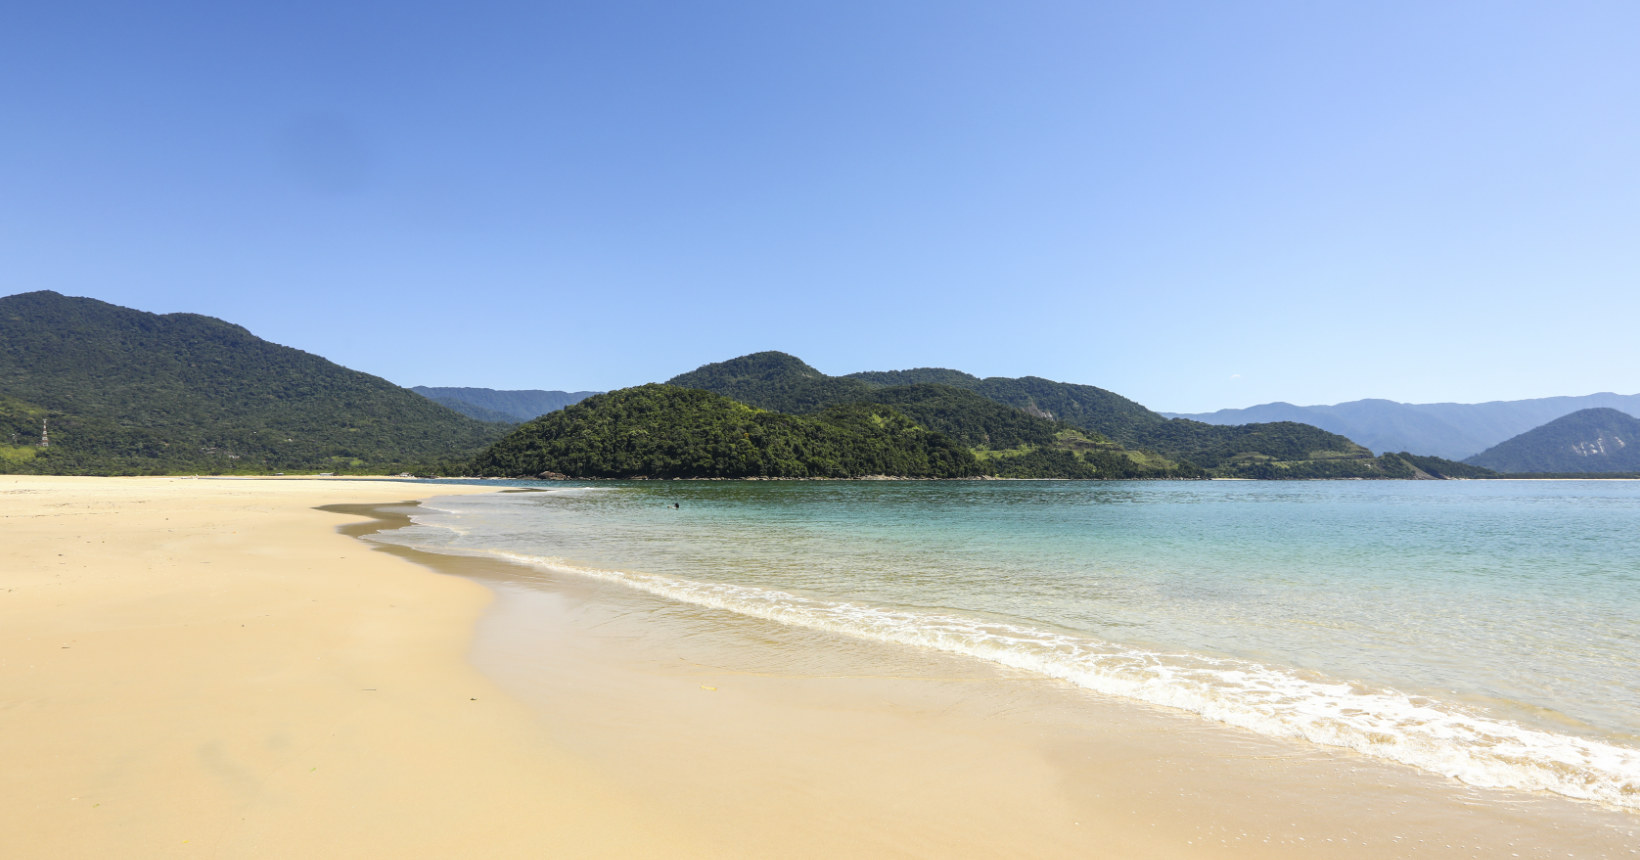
pixel 212 668
pixel 778 741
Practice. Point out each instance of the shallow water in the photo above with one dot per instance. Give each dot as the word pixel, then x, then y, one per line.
pixel 1482 630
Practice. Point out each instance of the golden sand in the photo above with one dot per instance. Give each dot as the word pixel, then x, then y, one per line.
pixel 196 667
pixel 207 668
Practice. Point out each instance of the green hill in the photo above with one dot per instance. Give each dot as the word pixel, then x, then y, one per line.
pixel 663 431
pixel 1587 441
pixel 774 381
pixel 1012 443
pixel 1439 468
pixel 1084 406
pixel 967 417
pixel 129 392
pixel 1289 446
pixel 780 382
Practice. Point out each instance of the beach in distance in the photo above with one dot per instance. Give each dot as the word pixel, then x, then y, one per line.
pixel 378 668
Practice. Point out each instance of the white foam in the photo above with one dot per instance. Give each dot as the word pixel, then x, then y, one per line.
pixel 1382 723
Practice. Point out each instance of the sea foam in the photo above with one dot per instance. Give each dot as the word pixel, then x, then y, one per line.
pixel 1381 723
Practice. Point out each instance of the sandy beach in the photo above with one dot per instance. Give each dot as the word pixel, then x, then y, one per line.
pixel 207 668
pixel 195 667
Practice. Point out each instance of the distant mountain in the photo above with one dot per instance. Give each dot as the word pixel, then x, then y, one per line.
pixel 1588 441
pixel 784 383
pixel 1450 430
pixel 489 404
pixel 112 390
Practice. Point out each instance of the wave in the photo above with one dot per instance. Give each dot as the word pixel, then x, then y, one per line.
pixel 1381 723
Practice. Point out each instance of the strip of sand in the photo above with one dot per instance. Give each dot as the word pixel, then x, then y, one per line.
pixel 775 740
pixel 208 668
pixel 197 667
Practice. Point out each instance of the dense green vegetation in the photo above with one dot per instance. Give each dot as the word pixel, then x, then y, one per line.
pixel 1215 447
pixel 1083 406
pixel 120 391
pixel 1437 467
pixel 774 381
pixel 1097 463
pixel 780 382
pixel 22 426
pixel 966 417
pixel 663 431
pixel 128 392
pixel 1586 441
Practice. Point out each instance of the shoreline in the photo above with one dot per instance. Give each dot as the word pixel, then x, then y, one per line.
pixel 373 707
pixel 1007 763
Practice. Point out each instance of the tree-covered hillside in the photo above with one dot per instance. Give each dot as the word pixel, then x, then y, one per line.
pixel 1440 468
pixel 129 392
pixel 1096 410
pixel 1014 444
pixel 781 382
pixel 967 417
pixel 663 431
pixel 1586 441
pixel 774 381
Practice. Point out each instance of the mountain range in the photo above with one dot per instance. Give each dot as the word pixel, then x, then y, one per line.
pixel 87 387
pixel 771 414
pixel 783 383
pixel 1451 430
pixel 489 404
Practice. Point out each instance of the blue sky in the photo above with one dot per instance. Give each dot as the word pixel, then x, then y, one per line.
pixel 1197 205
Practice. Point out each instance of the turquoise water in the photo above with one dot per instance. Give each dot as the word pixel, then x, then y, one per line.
pixel 1483 630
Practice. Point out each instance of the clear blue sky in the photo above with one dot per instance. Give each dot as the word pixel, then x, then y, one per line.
pixel 1197 205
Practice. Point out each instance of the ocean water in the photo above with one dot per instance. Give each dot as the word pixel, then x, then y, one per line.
pixel 1487 631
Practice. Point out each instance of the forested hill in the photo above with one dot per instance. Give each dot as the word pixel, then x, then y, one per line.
pixel 1084 406
pixel 772 380
pixel 967 417
pixel 662 431
pixel 489 404
pixel 1586 441
pixel 121 391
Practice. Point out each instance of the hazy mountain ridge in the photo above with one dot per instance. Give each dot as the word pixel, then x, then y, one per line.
pixel 490 404
pixel 1450 430
pixel 1587 441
